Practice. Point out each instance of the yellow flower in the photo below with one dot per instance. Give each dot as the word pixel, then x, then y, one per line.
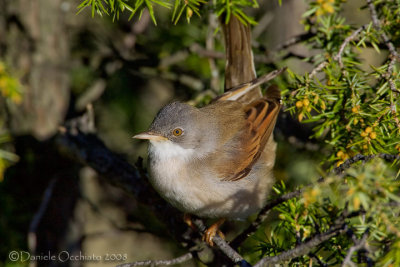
pixel 356 202
pixel 323 106
pixel 325 6
pixel 300 117
pixel 328 8
pixel 189 12
pixel 368 129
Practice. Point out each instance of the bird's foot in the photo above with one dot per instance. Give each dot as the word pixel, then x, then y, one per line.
pixel 212 231
pixel 187 218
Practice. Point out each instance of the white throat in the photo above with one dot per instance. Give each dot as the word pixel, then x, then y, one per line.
pixel 167 150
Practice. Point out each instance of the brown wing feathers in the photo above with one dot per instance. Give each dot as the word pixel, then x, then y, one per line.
pixel 261 117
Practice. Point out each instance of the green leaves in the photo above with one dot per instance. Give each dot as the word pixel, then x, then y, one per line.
pixel 114 7
pixel 354 111
pixel 11 90
pixel 189 5
pixel 224 8
pixel 227 8
pixel 365 198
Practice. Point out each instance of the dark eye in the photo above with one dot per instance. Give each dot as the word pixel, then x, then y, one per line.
pixel 177 131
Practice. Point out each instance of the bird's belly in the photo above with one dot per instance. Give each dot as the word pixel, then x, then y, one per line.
pixel 203 195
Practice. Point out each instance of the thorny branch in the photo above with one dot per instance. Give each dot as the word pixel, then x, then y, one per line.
pixel 250 230
pixel 304 248
pixel 394 57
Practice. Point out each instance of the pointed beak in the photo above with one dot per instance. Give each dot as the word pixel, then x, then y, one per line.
pixel 150 136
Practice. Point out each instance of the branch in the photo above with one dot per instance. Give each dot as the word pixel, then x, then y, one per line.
pixel 252 228
pixel 181 259
pixel 377 25
pixel 221 243
pixel 306 247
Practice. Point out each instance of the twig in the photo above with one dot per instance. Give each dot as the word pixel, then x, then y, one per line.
pixel 37 218
pixel 338 55
pixel 358 244
pixel 320 67
pixel 377 25
pixel 359 157
pixel 394 57
pixel 220 242
pixel 185 257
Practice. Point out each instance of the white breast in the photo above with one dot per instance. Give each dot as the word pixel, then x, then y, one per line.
pixel 169 175
pixel 196 191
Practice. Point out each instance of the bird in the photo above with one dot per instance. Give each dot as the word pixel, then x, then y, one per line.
pixel 216 161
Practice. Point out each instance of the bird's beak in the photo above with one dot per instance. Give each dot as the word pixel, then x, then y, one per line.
pixel 150 136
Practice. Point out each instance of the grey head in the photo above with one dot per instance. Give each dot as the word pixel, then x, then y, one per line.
pixel 179 123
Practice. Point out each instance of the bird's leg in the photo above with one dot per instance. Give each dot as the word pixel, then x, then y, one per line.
pixel 187 218
pixel 212 231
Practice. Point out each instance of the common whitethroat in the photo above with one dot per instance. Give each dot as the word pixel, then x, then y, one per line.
pixel 216 161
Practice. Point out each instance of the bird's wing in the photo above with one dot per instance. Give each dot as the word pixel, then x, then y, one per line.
pixel 243 150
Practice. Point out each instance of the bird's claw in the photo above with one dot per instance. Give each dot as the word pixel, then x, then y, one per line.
pixel 210 233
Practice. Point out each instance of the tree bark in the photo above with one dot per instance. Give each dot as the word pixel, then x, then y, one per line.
pixel 36 47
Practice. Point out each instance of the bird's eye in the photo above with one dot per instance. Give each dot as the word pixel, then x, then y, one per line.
pixel 177 131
